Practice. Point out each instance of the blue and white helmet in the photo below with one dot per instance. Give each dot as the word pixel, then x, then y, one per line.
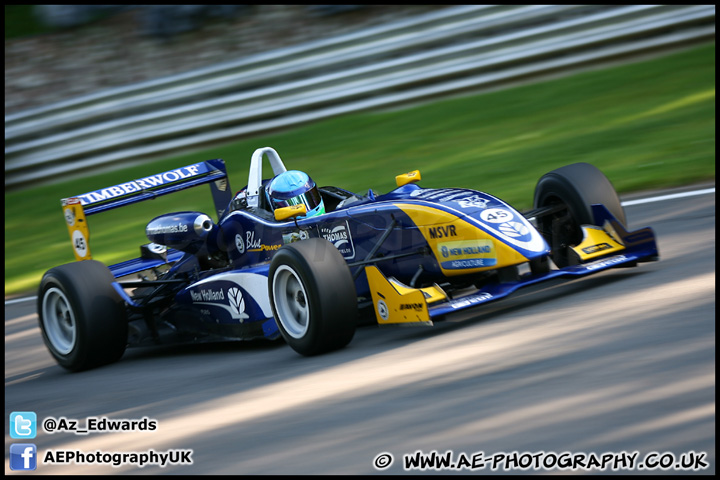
pixel 293 188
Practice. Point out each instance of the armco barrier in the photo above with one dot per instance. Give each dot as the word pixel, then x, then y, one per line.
pixel 449 51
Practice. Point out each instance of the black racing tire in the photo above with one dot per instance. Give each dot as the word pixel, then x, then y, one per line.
pixel 576 187
pixel 82 318
pixel 313 297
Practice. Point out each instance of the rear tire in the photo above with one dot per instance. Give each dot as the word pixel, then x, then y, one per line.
pixel 82 318
pixel 575 187
pixel 313 297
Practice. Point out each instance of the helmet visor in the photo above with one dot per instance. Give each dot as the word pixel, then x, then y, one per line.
pixel 310 199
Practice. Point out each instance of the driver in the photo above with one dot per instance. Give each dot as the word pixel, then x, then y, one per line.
pixel 293 188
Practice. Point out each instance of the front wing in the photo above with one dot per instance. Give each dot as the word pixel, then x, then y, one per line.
pixel 607 245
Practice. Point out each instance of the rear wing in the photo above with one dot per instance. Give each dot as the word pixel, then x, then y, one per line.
pixel 78 207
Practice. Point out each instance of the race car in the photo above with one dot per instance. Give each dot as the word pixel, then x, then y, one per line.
pixel 263 270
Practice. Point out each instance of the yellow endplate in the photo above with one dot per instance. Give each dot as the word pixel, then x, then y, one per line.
pixel 77 227
pixel 596 242
pixel 432 294
pixel 459 247
pixel 390 305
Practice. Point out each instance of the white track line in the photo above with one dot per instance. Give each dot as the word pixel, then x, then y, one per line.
pixel 668 197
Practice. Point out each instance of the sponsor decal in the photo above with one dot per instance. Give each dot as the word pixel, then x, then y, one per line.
pixel 157 248
pixel 463 197
pixel 160 229
pixel 475 201
pixel 265 248
pixel 411 306
pixel 454 196
pixel 511 228
pixel 250 243
pixel 217 297
pixel 147 183
pixel 508 225
pixel 478 298
pixel 442 232
pixel 496 215
pixel 382 309
pixel 514 229
pixel 430 192
pixel 295 236
pixel 79 243
pixel 339 235
pixel 237 302
pixel 467 254
pixel 605 263
pixel 70 216
pixel 239 244
pixel 517 233
pixel 77 227
pixel 208 295
pixel 597 248
pixel 253 286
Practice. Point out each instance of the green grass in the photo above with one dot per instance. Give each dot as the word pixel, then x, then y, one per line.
pixel 645 125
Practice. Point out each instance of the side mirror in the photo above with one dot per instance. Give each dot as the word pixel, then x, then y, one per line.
pixel 406 178
pixel 290 212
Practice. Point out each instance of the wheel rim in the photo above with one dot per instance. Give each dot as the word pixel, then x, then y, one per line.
pixel 59 321
pixel 291 302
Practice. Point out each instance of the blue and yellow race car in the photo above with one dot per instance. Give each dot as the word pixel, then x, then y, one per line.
pixel 288 259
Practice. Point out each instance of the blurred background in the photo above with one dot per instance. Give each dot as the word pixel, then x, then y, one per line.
pixel 481 96
pixel 91 86
pixel 56 52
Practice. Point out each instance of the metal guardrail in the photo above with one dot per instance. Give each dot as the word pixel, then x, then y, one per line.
pixel 445 52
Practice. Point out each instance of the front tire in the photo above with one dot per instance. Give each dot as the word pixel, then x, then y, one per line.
pixel 313 298
pixel 82 318
pixel 574 188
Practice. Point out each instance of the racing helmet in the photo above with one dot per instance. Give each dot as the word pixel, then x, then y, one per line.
pixel 293 188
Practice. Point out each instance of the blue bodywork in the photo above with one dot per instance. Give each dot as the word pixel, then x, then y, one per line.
pixel 219 288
